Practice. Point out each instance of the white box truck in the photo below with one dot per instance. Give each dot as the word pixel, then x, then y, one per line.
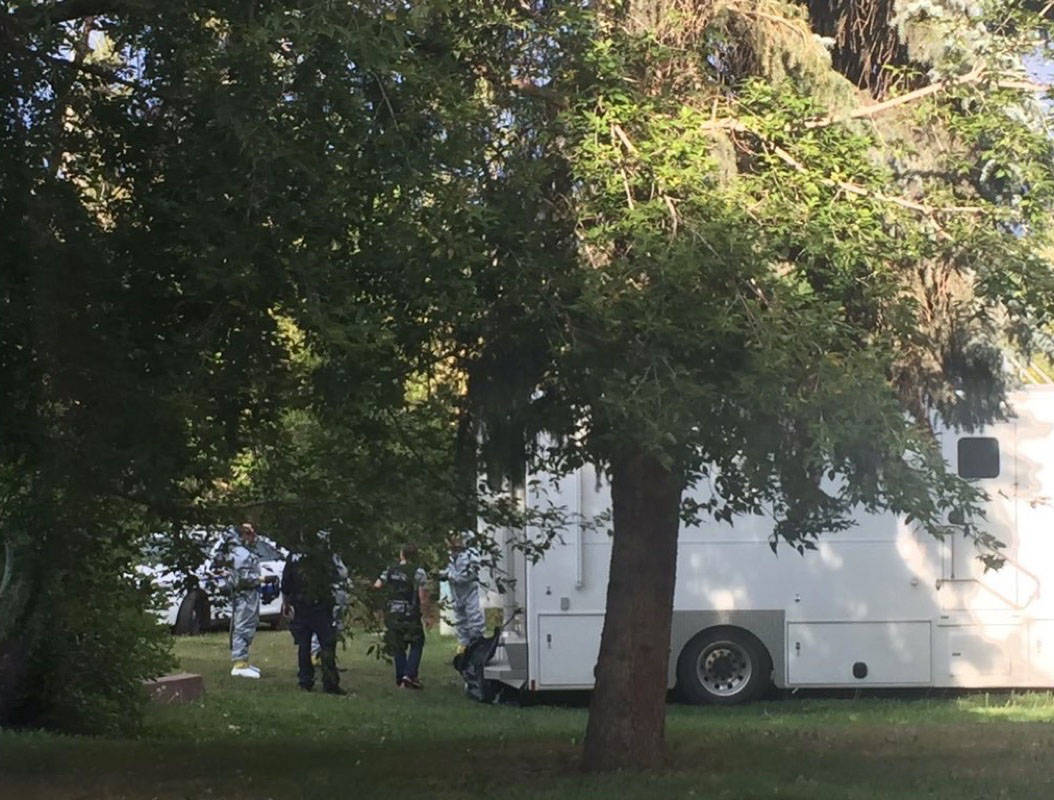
pixel 880 605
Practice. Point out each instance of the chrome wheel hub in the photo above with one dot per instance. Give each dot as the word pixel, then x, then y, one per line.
pixel 724 668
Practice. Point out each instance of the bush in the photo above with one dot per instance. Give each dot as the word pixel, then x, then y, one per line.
pixel 77 638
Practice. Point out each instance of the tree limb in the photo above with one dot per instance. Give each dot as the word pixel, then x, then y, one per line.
pixel 624 138
pixel 863 191
pixel 96 71
pixel 976 75
pixel 526 87
pixel 67 10
pixel 973 76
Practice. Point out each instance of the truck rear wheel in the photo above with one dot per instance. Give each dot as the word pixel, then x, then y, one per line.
pixel 723 666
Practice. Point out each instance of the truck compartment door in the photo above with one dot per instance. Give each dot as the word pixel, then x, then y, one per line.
pixel 858 653
pixel 568 645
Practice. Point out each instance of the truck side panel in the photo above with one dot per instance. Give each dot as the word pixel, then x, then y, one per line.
pixel 882 604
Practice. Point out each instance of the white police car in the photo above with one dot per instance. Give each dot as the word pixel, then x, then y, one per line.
pixel 197 601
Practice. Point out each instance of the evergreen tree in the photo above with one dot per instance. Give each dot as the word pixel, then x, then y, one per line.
pixel 777 239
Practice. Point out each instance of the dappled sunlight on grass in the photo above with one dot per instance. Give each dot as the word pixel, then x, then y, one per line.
pixel 252 739
pixel 1011 707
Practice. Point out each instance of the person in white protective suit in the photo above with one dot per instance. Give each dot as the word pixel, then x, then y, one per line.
pixel 245 583
pixel 462 573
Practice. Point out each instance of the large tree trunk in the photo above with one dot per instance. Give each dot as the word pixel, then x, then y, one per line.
pixel 627 714
pixel 866 41
pixel 21 618
pixel 466 469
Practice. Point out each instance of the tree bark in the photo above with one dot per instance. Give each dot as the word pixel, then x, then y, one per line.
pixel 466 469
pixel 627 713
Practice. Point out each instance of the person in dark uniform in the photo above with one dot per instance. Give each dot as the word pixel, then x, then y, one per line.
pixel 312 582
pixel 407 597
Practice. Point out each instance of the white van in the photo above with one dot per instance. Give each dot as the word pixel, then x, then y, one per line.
pixel 879 605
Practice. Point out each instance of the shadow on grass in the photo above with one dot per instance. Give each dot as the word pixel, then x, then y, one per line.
pixel 259 739
pixel 866 761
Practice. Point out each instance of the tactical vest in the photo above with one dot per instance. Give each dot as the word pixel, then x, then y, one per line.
pixel 403 599
pixel 312 578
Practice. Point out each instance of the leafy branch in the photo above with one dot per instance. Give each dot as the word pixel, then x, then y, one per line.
pixel 975 76
pixel 69 10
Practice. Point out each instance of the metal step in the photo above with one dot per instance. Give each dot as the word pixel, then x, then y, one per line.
pixel 509 664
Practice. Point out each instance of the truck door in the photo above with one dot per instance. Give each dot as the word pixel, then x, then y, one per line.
pixel 987 460
pixel 981 633
pixel 1035 524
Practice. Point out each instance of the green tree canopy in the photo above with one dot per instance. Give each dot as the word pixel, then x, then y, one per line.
pixel 262 253
pixel 204 208
pixel 788 256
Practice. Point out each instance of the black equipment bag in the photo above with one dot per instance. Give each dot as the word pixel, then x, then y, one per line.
pixel 471 664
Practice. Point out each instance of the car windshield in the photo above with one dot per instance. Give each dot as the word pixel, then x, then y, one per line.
pixel 267 551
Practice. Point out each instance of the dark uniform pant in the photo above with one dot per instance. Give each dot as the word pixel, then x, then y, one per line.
pixel 317 620
pixel 404 640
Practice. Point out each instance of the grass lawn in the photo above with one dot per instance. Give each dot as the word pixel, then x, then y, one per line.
pixel 266 739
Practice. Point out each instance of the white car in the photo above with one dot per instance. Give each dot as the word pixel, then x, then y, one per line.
pixel 199 601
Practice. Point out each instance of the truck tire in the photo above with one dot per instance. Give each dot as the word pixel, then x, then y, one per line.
pixel 723 666
pixel 193 616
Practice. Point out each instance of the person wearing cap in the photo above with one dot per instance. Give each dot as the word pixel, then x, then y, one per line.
pixel 246 581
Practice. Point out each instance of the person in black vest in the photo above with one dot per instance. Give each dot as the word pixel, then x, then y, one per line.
pixel 404 638
pixel 311 583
